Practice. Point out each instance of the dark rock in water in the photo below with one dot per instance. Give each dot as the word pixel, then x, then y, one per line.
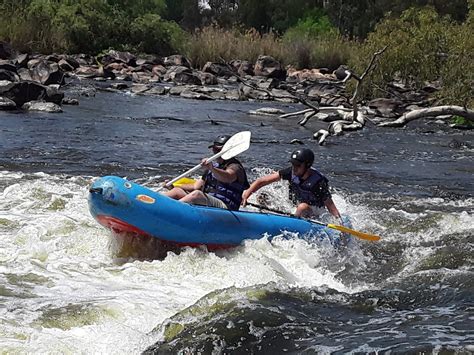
pixel 7 104
pixel 42 106
pixel 195 95
pixel 455 144
pixel 54 95
pixel 157 90
pixel 23 92
pixel 119 86
pixel 70 101
pixel 296 141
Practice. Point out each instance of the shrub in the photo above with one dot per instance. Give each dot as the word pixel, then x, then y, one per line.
pixel 151 34
pixel 415 42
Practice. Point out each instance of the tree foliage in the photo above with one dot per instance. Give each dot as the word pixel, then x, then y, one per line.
pixel 422 46
pixel 88 25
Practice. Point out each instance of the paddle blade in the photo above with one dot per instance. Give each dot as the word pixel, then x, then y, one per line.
pixel 365 236
pixel 184 181
pixel 237 144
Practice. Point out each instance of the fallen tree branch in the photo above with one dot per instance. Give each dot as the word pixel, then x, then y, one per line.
pixel 297 113
pixel 430 112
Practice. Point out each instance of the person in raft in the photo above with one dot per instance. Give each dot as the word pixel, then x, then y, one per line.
pixel 221 185
pixel 308 187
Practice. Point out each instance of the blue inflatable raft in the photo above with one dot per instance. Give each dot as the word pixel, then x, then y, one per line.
pixel 124 206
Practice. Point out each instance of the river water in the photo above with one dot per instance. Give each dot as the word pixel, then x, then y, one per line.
pixel 68 286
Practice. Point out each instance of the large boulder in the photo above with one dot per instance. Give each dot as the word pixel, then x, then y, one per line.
pixel 242 67
pixel 207 78
pixel 385 107
pixel 7 104
pixel 47 73
pixel 269 67
pixel 7 65
pixel 23 92
pixel 186 77
pixel 217 69
pixel 114 56
pixel 42 106
pixel 9 75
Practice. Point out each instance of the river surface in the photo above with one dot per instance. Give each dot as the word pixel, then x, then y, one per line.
pixel 69 286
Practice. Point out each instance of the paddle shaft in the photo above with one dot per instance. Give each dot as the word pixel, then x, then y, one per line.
pixel 236 144
pixel 197 167
pixel 281 212
pixel 343 229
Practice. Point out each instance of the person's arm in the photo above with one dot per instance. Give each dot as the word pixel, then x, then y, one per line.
pixel 258 184
pixel 227 175
pixel 329 203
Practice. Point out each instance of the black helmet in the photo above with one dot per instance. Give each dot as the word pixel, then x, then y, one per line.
pixel 220 141
pixel 304 155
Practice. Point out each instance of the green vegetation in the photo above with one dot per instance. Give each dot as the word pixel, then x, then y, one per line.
pixel 88 25
pixel 427 39
pixel 422 46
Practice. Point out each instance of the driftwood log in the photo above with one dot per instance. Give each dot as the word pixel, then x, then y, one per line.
pixel 429 113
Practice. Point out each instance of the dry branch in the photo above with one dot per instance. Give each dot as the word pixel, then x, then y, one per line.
pixel 430 112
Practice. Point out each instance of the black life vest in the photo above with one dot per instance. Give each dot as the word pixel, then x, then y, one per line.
pixel 229 193
pixel 303 191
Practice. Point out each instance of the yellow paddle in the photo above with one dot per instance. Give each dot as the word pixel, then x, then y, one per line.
pixel 361 235
pixel 183 181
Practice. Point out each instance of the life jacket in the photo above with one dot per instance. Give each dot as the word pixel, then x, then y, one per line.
pixel 229 193
pixel 302 191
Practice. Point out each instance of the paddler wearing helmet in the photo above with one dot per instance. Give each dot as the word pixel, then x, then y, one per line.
pixel 308 188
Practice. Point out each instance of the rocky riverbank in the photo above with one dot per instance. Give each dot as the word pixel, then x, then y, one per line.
pixel 38 82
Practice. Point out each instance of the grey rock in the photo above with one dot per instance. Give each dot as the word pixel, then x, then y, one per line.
pixel 42 106
pixel 7 104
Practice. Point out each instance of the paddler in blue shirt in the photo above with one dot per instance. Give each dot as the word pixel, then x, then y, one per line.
pixel 221 185
pixel 308 189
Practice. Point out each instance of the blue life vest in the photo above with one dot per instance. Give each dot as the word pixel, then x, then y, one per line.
pixel 303 191
pixel 229 193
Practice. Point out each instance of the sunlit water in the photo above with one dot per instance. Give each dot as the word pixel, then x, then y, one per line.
pixel 68 286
